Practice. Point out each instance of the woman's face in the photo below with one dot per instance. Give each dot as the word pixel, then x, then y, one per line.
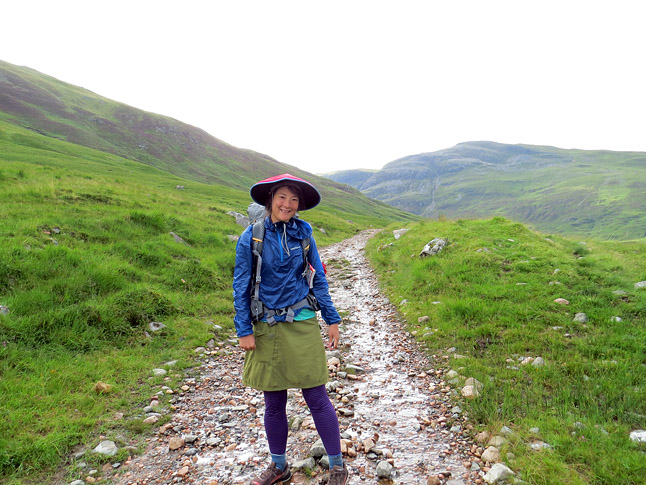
pixel 284 205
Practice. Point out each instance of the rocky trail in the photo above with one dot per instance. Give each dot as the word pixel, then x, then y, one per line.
pixel 397 421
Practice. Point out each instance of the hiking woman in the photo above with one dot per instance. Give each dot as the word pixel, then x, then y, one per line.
pixel 283 343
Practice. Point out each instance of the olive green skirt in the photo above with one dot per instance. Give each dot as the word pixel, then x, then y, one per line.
pixel 288 355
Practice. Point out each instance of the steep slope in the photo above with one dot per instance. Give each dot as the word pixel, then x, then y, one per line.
pixel 599 193
pixel 60 111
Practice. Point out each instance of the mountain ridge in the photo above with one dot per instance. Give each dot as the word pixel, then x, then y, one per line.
pixel 570 191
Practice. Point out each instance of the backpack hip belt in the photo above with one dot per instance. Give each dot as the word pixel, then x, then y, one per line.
pixel 308 301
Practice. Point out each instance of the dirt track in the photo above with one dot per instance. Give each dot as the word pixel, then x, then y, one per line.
pixel 394 409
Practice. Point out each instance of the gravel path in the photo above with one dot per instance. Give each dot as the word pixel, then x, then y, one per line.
pixel 394 409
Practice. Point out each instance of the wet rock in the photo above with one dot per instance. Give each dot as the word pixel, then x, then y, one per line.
pixel 498 474
pixel 384 469
pixel 318 450
pixel 355 368
pixel 334 361
pixel 151 419
pixel 491 455
pixel 296 424
pixel 368 444
pixel 175 443
pixel 306 464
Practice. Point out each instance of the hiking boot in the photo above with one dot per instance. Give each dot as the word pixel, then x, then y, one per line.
pixel 272 475
pixel 338 475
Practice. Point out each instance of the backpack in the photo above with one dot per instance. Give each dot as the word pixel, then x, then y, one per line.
pixel 258 308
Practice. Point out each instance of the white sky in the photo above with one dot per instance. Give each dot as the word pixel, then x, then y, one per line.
pixel 333 85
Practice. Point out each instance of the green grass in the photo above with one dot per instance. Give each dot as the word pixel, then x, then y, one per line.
pixel 592 193
pixel 87 261
pixel 496 284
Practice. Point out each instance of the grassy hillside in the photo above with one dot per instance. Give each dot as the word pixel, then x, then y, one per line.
pixel 58 110
pixel 490 297
pixel 87 261
pixel 594 193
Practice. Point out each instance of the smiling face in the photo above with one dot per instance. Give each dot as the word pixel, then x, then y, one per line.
pixel 284 205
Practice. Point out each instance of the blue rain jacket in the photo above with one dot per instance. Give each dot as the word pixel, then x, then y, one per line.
pixel 282 283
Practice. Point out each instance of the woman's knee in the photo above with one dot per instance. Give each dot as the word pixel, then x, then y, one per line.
pixel 275 402
pixel 316 398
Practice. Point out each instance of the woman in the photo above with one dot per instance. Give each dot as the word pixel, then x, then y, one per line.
pixel 284 348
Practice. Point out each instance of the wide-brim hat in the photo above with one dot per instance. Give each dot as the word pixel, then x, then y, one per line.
pixel 260 191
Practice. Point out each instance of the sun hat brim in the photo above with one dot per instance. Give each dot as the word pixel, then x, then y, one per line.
pixel 260 191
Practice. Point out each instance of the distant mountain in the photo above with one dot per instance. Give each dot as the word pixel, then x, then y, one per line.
pixel 597 193
pixel 58 110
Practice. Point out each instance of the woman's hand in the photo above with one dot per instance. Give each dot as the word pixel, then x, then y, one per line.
pixel 333 336
pixel 248 342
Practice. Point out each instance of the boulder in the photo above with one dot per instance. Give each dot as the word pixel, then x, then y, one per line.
pixel 433 247
pixel 106 447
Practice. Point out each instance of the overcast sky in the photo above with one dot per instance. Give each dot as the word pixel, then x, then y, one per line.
pixel 334 85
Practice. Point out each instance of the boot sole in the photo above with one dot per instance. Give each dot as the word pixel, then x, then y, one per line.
pixel 286 481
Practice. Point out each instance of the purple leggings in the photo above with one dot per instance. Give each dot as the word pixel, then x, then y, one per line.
pixel 323 412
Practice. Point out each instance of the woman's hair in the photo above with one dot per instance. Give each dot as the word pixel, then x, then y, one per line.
pixel 294 188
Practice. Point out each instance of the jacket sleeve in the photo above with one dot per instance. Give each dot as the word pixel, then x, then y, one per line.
pixel 242 284
pixel 321 289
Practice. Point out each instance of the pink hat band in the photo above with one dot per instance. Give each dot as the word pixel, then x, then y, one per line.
pixel 260 191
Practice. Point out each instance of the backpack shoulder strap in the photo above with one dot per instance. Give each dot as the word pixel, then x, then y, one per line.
pixel 257 237
pixel 305 244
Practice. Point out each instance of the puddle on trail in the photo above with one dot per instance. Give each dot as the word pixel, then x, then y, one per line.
pixel 399 397
pixel 399 393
